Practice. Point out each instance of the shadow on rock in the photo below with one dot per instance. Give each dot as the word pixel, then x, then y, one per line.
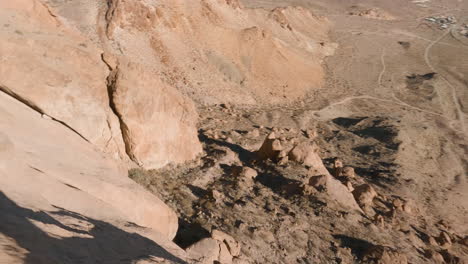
pixel 245 156
pixel 358 246
pixel 101 242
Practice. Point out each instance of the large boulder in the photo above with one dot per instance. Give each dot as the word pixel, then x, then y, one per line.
pixel 70 190
pixel 158 123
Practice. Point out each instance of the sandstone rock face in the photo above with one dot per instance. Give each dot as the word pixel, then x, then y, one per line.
pixel 72 193
pixel 158 123
pixel 57 71
pixel 72 77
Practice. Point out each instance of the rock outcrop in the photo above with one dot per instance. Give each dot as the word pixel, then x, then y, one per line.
pixel 157 121
pixel 115 102
pixel 72 193
pixel 306 153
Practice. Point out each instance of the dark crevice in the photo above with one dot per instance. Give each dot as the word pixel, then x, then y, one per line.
pixel 111 87
pixel 36 108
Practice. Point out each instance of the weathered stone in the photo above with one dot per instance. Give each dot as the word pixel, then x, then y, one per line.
pixel 311 133
pixel 270 148
pixel 348 172
pixel 432 241
pixel 225 256
pixel 249 173
pixel 409 207
pixel 379 220
pixel 305 153
pixel 364 194
pixel 337 168
pixel 205 251
pixel 232 244
pixel 319 181
pixel 72 89
pixel 143 103
pixel 69 173
pixel 217 196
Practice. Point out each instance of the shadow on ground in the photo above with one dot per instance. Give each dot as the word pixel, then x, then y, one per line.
pixel 102 243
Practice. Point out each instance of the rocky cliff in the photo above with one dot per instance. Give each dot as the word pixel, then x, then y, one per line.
pixel 91 88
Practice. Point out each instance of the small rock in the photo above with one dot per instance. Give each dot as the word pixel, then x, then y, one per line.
pixel 217 196
pixel 309 190
pixel 409 207
pixel 311 133
pixel 304 153
pixel 379 220
pixel 337 168
pixel 348 172
pixel 432 241
pixel 283 154
pixel 270 148
pixel 231 243
pixel 249 173
pixel 205 250
pixel 364 195
pixel 444 240
pixel 319 181
pixel 283 161
pixel 265 235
